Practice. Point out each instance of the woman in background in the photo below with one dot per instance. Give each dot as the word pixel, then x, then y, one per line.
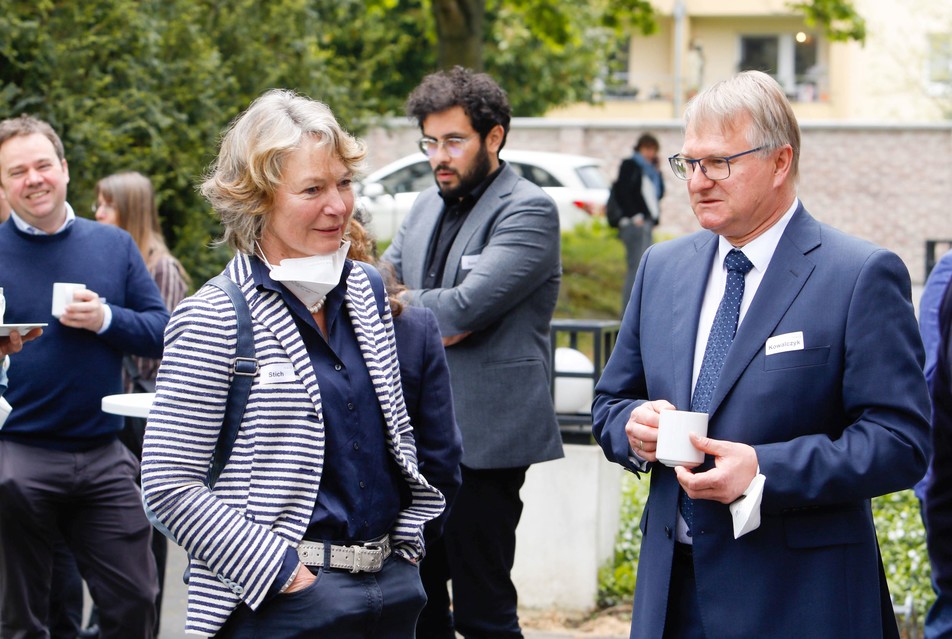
pixel 426 382
pixel 127 200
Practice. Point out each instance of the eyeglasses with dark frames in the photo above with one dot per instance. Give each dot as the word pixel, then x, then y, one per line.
pixel 454 145
pixel 714 167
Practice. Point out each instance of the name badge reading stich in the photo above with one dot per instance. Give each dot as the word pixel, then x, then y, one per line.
pixel 784 343
pixel 277 373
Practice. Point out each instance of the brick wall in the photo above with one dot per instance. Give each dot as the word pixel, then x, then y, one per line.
pixel 890 184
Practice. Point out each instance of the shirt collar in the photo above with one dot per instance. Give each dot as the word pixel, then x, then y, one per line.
pixel 760 249
pixel 29 229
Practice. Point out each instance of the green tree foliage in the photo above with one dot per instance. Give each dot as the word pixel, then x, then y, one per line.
pixel 129 86
pixel 837 18
pixel 148 85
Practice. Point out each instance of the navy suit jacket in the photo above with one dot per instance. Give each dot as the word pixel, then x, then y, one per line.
pixel 429 400
pixel 841 421
pixel 938 503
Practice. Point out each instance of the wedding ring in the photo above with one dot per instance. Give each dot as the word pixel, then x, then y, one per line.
pixel 641 445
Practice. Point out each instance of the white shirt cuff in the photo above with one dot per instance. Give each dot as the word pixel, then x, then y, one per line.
pixel 106 319
pixel 745 510
pixel 640 463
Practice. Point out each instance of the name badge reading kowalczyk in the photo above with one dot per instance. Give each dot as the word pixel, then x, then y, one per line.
pixel 277 373
pixel 784 343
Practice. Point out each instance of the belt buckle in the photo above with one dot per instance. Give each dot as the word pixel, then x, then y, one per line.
pixel 366 550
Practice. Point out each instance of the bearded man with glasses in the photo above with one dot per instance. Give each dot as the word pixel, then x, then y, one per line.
pixel 801 345
pixel 481 249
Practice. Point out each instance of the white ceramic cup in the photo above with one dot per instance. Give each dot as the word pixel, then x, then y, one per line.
pixel 63 295
pixel 674 444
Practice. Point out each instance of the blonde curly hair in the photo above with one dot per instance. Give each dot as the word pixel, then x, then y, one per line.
pixel 242 182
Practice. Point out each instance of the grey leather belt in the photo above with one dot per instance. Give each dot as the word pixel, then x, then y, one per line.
pixel 366 557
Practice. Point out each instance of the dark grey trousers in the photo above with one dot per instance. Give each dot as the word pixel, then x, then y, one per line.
pixel 636 239
pixel 91 501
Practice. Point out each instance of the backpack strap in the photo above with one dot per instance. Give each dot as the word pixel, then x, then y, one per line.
pixel 243 369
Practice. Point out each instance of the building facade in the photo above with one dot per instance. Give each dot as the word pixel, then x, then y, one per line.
pixel 902 73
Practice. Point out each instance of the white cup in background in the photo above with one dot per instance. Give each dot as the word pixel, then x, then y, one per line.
pixel 674 444
pixel 63 295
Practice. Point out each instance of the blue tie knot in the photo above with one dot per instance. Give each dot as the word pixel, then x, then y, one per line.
pixel 737 262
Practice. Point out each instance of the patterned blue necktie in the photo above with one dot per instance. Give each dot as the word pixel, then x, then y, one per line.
pixel 718 343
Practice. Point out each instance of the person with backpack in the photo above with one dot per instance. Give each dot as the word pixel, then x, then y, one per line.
pixel 314 526
pixel 633 206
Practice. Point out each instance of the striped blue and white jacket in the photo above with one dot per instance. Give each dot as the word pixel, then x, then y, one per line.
pixel 236 535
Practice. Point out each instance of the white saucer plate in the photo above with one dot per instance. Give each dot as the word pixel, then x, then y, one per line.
pixel 23 329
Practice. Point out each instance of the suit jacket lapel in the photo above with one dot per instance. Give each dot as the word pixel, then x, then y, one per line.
pixel 369 330
pixel 416 247
pixel 690 282
pixel 486 206
pixel 789 270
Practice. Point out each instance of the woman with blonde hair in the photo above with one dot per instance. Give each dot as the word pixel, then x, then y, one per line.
pixel 315 526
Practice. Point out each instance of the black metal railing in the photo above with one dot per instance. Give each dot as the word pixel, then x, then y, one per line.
pixel 933 255
pixel 594 338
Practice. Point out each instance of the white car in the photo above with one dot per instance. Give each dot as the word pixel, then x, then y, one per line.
pixel 576 183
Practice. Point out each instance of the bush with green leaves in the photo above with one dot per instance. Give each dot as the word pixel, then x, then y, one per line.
pixel 593 270
pixel 898 525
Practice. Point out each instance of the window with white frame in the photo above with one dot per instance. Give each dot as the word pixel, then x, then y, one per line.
pixel 939 64
pixel 791 58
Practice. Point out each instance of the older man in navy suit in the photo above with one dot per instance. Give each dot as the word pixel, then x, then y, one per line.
pixel 810 370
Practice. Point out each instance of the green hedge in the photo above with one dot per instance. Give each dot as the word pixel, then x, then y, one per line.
pixel 898 524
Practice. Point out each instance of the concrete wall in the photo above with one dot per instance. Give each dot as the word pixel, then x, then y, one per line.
pixel 888 183
pixel 568 529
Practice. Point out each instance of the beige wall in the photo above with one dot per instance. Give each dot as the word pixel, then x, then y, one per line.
pixel 883 80
pixel 890 184
pixel 887 76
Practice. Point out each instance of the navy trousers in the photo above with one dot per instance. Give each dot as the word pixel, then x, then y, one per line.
pixel 340 604
pixel 683 619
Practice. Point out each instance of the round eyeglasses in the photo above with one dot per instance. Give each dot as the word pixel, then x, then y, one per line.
pixel 714 167
pixel 454 146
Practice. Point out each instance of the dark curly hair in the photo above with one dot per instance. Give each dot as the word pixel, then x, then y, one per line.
pixel 481 98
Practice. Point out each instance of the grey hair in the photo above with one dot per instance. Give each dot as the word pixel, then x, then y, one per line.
pixel 242 182
pixel 755 93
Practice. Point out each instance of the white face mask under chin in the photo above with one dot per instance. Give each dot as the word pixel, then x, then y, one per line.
pixel 310 279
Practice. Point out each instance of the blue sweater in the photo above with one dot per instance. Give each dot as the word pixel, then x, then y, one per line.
pixel 57 381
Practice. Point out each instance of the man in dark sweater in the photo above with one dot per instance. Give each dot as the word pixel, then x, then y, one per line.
pixel 63 473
